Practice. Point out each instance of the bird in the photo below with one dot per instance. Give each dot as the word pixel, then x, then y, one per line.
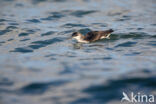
pixel 92 36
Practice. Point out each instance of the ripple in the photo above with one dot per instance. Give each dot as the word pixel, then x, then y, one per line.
pixel 69 25
pixel 25 39
pixel 114 14
pixel 57 14
pixel 100 58
pixel 3 20
pixel 43 1
pixel 47 42
pixel 7 29
pixel 112 91
pixel 54 16
pixel 37 45
pixel 38 1
pixel 1 24
pixel 124 18
pixel 81 13
pixel 32 31
pixel 5 82
pixel 66 32
pixel 126 44
pixel 34 21
pixel 154 36
pixel 48 33
pixel 152 43
pixel 59 0
pixel 132 35
pixel 135 35
pixel 140 28
pixel 153 24
pixel 19 5
pixel 107 58
pixel 23 34
pixel 40 87
pixel 10 39
pixel 3 32
pixel 99 24
pixel 11 27
pixel 133 54
pixel 8 0
pixel 64 13
pixel 2 43
pixel 13 24
pixel 22 50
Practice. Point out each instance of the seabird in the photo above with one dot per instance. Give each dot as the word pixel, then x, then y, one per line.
pixel 92 36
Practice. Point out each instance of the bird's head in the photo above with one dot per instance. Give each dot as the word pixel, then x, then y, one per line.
pixel 76 35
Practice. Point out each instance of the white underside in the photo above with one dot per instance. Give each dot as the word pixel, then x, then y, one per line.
pixel 103 37
pixel 83 41
pixel 79 39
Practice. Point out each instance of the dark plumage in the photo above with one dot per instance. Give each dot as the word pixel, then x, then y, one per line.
pixel 92 36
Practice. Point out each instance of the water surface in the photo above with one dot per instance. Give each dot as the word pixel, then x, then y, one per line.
pixel 39 64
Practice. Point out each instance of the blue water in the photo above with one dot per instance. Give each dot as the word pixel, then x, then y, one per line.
pixel 39 64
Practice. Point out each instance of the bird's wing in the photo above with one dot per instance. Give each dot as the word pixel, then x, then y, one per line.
pixel 106 32
pixel 91 35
